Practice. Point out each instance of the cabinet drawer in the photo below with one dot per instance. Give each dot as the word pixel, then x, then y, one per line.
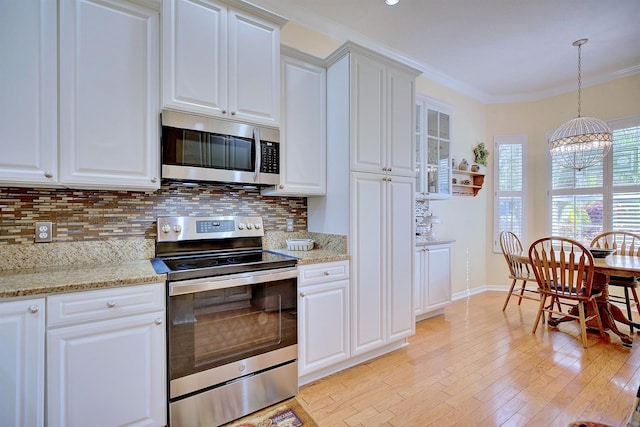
pixel 324 272
pixel 80 307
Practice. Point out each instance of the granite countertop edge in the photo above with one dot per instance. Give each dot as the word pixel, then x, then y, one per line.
pixel 421 242
pixel 313 256
pixel 70 278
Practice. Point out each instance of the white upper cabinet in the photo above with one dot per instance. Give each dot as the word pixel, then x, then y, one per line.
pixel 383 98
pixel 220 61
pixel 28 93
pixel 303 146
pixel 109 79
pixel 433 149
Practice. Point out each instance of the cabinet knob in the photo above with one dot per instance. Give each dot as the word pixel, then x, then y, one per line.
pixel 302 294
pixel 224 111
pixel 233 113
pixel 48 174
pixel 326 273
pixel 33 309
pixel 281 186
pixel 154 179
pixel 388 169
pixel 158 321
pixel 111 304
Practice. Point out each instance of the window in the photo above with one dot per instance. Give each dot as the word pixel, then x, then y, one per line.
pixel 603 197
pixel 510 184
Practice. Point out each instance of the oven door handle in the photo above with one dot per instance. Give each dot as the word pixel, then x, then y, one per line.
pixel 230 281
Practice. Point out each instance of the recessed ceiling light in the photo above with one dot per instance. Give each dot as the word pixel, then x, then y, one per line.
pixel 391 2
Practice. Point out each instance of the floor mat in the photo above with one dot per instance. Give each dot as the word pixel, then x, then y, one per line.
pixel 284 414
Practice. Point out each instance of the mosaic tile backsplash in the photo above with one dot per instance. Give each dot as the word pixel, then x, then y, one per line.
pixel 90 215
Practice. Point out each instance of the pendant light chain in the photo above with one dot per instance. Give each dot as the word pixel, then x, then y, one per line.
pixel 579 79
pixel 583 141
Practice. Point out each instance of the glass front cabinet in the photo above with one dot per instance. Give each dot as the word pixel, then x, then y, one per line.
pixel 433 149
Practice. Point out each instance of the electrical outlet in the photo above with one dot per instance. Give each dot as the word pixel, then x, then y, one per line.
pixel 289 224
pixel 44 231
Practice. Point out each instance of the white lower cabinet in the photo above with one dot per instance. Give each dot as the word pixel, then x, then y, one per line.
pixel 323 315
pixel 106 357
pixel 432 286
pixel 22 333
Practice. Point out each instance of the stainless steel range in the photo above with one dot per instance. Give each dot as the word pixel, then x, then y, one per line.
pixel 231 319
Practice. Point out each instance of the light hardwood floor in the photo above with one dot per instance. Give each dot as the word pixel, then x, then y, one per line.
pixel 478 366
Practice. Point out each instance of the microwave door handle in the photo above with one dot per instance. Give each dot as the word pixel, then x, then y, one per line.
pixel 256 142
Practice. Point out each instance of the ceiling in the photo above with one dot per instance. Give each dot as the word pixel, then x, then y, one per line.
pixel 492 50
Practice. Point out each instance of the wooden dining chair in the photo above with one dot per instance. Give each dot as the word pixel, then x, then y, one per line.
pixel 518 270
pixel 564 271
pixel 625 243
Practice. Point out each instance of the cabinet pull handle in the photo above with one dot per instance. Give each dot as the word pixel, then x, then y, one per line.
pixel 48 174
pixel 302 294
pixel 158 321
pixel 111 304
pixel 33 309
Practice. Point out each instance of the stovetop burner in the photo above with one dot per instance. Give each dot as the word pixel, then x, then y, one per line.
pixel 196 247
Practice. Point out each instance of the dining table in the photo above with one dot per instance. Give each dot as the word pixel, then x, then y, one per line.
pixel 611 265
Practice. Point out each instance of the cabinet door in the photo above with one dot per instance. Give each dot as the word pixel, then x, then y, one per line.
pixel 29 143
pixel 109 87
pixel 194 62
pixel 323 325
pixel 419 280
pixel 401 103
pixel 439 276
pixel 254 69
pixel 399 256
pixel 368 124
pixel 369 266
pixel 22 362
pixel 303 131
pixel 108 373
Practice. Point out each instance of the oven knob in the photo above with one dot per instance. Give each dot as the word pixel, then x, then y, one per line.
pixel 166 228
pixel 257 225
pixel 249 226
pixel 240 226
pixel 177 228
pixel 241 368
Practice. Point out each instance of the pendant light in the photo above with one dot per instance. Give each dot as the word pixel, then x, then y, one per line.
pixel 583 141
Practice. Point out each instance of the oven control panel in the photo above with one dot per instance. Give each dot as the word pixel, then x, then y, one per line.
pixel 177 228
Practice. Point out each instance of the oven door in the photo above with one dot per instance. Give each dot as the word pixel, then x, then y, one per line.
pixel 223 328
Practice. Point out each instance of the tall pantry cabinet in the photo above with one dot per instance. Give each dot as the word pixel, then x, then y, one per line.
pixel 370 186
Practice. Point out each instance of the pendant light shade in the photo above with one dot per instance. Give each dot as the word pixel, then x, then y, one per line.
pixel 583 141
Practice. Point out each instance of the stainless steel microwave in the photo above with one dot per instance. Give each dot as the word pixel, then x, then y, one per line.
pixel 198 148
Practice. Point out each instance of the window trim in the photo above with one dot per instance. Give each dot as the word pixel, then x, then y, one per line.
pixel 520 139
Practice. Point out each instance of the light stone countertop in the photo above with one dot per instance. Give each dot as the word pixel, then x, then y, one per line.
pixel 313 256
pixel 425 242
pixel 48 280
pixel 32 270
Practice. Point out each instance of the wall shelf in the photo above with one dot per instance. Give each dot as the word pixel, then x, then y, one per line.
pixel 476 180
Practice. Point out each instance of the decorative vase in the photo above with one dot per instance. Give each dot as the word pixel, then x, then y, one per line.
pixel 475 168
pixel 463 166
